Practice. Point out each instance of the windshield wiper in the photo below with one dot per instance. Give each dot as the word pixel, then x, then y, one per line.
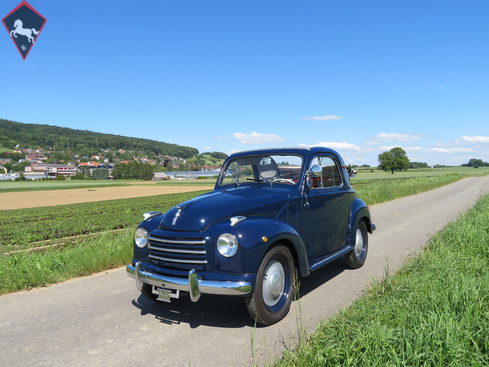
pixel 236 182
pixel 259 180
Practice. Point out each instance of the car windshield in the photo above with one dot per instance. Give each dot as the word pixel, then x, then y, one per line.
pixel 265 168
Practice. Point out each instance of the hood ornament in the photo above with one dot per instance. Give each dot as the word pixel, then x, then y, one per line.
pixel 236 220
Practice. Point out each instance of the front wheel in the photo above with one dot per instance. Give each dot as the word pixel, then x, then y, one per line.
pixel 356 257
pixel 274 288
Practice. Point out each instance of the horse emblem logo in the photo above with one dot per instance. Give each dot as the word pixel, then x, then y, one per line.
pixel 24 25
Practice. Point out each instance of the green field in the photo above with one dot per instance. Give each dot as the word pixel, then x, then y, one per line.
pixel 40 246
pixel 365 174
pixel 11 186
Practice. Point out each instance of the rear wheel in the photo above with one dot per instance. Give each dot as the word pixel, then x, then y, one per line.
pixel 270 302
pixel 356 257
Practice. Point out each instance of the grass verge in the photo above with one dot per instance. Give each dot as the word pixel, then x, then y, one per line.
pixel 77 257
pixel 434 311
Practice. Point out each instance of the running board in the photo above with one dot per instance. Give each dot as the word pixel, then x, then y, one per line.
pixel 338 253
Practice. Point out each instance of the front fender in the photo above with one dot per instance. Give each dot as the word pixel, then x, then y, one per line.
pixel 256 235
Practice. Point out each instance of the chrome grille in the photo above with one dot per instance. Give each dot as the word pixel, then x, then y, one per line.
pixel 177 250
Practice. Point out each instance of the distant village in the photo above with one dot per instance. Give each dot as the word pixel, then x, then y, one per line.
pixel 36 166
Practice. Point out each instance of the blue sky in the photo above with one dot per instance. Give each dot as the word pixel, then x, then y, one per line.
pixel 229 75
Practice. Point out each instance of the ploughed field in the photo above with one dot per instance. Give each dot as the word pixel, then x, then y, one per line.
pixel 34 199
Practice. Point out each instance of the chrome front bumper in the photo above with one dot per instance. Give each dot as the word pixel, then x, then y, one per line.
pixel 193 284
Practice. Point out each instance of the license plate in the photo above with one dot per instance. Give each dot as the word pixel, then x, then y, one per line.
pixel 164 295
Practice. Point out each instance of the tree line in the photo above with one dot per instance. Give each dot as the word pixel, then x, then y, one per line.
pixel 474 162
pixel 61 138
pixel 133 171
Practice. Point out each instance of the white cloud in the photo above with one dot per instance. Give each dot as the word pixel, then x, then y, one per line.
pixel 450 150
pixel 396 137
pixel 256 138
pixel 322 118
pixel 432 150
pixel 476 139
pixel 333 145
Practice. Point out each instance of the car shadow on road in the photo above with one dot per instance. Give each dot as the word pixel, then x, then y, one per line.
pixel 321 276
pixel 222 311
pixel 217 311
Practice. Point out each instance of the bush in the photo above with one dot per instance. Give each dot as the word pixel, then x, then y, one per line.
pixel 60 178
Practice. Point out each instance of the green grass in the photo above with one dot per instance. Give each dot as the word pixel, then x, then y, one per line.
pixel 200 182
pixel 382 190
pixel 434 311
pixel 12 186
pixel 365 174
pixel 75 257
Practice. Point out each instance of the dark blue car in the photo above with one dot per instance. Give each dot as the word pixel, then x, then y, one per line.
pixel 273 214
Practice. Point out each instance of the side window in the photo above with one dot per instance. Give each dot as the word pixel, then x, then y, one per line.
pixel 330 176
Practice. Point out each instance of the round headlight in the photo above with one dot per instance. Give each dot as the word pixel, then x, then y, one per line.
pixel 141 237
pixel 227 245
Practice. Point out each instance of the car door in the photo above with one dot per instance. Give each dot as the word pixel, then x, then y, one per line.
pixel 325 208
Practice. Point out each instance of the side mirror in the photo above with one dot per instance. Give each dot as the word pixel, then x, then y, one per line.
pixel 315 171
pixel 351 172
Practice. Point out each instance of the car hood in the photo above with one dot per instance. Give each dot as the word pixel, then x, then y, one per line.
pixel 200 212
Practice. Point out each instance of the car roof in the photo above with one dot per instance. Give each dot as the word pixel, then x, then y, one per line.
pixel 303 151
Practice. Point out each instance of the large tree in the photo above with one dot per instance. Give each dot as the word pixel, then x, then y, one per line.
pixel 394 160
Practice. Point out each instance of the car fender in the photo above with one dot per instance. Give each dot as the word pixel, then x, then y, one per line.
pixel 359 211
pixel 256 235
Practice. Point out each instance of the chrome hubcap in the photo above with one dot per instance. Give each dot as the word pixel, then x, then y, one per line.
pixel 358 243
pixel 273 283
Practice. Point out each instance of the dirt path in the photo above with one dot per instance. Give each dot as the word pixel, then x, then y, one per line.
pixel 33 199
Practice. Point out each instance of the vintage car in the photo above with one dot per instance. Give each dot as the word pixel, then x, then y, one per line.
pixel 273 214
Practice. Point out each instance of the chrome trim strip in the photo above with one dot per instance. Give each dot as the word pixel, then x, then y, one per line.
pixel 193 284
pixel 195 252
pixel 178 261
pixel 179 242
pixel 149 215
pixel 236 220
pixel 342 251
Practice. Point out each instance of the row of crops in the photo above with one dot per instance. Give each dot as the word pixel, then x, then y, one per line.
pixel 37 227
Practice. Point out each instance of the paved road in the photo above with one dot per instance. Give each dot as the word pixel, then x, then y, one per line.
pixel 102 321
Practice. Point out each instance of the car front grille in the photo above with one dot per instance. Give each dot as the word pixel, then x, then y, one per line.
pixel 177 250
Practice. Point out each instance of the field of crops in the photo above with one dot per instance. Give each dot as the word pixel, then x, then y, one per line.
pixel 31 228
pixel 40 246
